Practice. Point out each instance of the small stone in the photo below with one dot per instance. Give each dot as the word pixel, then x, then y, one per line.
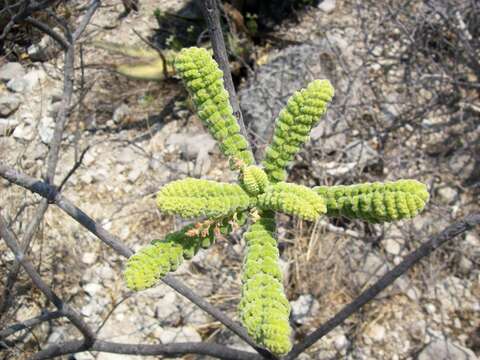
pixel 327 6
pixel 191 145
pixel 9 103
pixel 24 132
pixel 167 311
pixel 392 246
pixel 84 356
pixel 430 308
pixel 127 156
pixel 444 349
pixel 43 50
pixel 340 342
pixel 448 194
pixel 121 113
pixel 92 288
pixel 89 258
pixel 361 153
pixel 193 315
pixel 376 332
pixel 170 335
pixel 57 336
pixel 27 82
pixel 472 239
pixel 46 129
pixel 303 307
pixel 11 70
pixel 413 293
pixel 373 267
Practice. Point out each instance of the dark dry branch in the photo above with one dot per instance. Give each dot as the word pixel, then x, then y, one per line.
pixel 386 280
pixel 30 323
pixel 8 293
pixel 170 350
pixel 54 197
pixel 64 308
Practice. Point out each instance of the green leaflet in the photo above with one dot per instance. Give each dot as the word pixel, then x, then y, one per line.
pixel 254 180
pixel 264 308
pixel 191 198
pixel 204 81
pixel 293 126
pixel 293 199
pixel 375 202
pixel 146 267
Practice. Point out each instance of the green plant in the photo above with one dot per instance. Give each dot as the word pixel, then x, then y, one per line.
pixel 264 308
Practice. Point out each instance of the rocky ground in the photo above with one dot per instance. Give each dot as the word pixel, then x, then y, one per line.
pixel 138 136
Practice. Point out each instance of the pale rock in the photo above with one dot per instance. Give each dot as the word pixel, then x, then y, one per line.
pixel 121 113
pixel 461 164
pixel 58 335
pixel 472 240
pixel 46 128
pixel 167 311
pixel 168 335
pixel 121 330
pixel 193 315
pixel 392 246
pixel 303 308
pixel 9 103
pixel 465 265
pixel 27 82
pixel 7 126
pixel 360 153
pixel 444 349
pixel 43 50
pixel 329 135
pixel 191 145
pixel 92 289
pixel 88 310
pixel 127 156
pixel 430 308
pixel 448 194
pixel 24 132
pixel 340 342
pixel 413 293
pixel 85 356
pixel 10 71
pixel 376 332
pixel 372 268
pixel 89 258
pixel 303 356
pixel 332 168
pixel 327 6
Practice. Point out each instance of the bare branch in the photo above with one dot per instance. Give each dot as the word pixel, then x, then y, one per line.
pixel 64 308
pixel 49 31
pixel 170 350
pixel 28 324
pixel 94 5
